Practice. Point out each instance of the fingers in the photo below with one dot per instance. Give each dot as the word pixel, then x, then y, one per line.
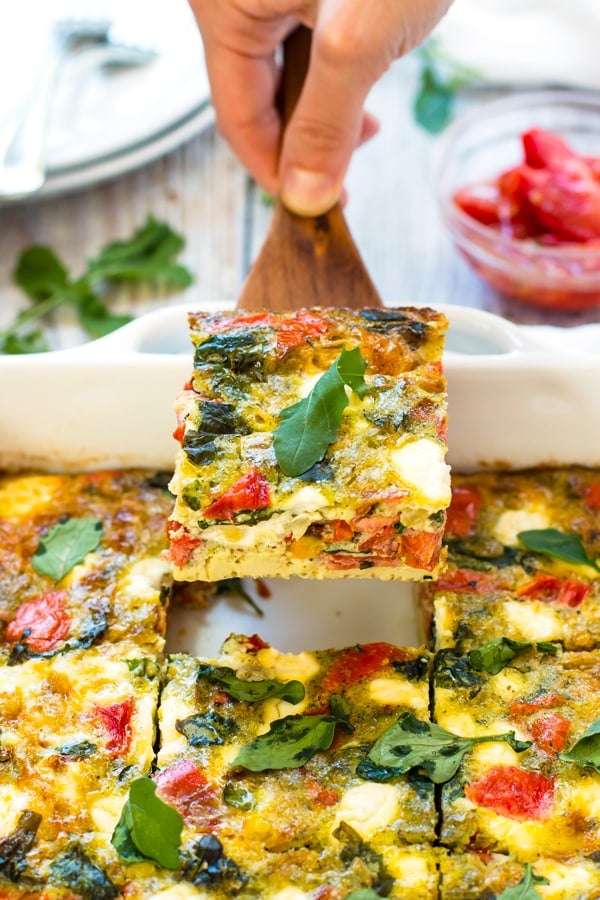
pixel 353 44
pixel 243 91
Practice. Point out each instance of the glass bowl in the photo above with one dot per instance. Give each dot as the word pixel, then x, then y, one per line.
pixel 477 149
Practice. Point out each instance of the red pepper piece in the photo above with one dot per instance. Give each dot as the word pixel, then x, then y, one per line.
pixel 513 792
pixel 250 492
pixel 42 623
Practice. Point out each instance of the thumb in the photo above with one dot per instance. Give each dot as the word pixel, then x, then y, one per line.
pixel 324 129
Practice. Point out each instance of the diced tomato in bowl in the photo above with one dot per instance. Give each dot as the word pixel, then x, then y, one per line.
pixel 519 189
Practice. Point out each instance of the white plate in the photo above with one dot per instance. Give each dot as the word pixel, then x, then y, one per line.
pixel 107 121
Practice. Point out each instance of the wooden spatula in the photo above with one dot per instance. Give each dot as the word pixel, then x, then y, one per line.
pixel 306 261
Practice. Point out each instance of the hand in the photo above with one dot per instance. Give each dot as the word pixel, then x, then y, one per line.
pixel 354 42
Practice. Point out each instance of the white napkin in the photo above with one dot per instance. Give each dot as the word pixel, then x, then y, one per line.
pixel 525 42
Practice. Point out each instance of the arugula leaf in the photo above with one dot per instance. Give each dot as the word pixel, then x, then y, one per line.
pixel 586 751
pixel 149 255
pixel 148 827
pixel 39 273
pixel 251 691
pixel 411 743
pixel 495 655
pixel 308 427
pixel 551 542
pixel 434 102
pixel 206 729
pixel 235 587
pixel 66 545
pixel 525 889
pixel 77 749
pixel 292 741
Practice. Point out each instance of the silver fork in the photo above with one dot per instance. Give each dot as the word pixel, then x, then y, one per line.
pixel 22 145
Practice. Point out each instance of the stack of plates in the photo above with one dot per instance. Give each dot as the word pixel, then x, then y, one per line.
pixel 104 122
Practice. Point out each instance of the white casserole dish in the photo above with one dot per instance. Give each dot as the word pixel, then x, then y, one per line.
pixel 518 396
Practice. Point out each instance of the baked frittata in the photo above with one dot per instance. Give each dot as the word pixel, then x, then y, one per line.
pixel 82 562
pixel 312 443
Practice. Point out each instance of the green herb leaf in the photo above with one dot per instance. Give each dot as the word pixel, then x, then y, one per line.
pixel 291 741
pixel 74 869
pixel 148 254
pixel 411 743
pixel 66 545
pixel 235 587
pixel 77 749
pixel 30 342
pixel 308 427
pixel 251 691
pixel 16 845
pixel 206 729
pixel 495 655
pixel 434 101
pixel 364 894
pixel 551 542
pixel 238 796
pixel 40 273
pixel 525 889
pixel 151 826
pixel 586 751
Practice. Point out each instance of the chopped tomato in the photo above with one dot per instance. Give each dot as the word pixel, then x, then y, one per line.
pixel 421 549
pixel 480 202
pixel 299 328
pixel 550 589
pixel 320 795
pixel 566 199
pixel 181 543
pixel 341 531
pixel 550 733
pixel 179 432
pixel 355 663
pixel 116 720
pixel 42 623
pixel 184 786
pixel 542 701
pixel 513 792
pixel 386 541
pixel 591 495
pixel 543 148
pixel 254 643
pixel 463 510
pixel 465 581
pixel 250 492
pixel 357 560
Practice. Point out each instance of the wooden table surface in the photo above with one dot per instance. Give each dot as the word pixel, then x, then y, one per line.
pixel 201 189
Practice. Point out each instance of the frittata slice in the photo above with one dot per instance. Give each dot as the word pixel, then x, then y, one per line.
pixel 312 443
pixel 265 755
pixel 473 876
pixel 523 552
pixel 538 795
pixel 82 560
pixel 75 731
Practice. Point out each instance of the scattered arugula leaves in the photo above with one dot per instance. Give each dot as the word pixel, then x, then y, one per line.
pixel 148 255
pixel 557 545
pixel 238 796
pixel 439 80
pixel 412 743
pixel 251 691
pixel 493 656
pixel 74 869
pixel 525 889
pixel 586 751
pixel 364 894
pixel 66 545
pixel 308 427
pixel 235 588
pixel 291 741
pixel 148 827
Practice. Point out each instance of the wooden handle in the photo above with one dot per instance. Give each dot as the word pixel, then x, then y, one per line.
pixel 296 58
